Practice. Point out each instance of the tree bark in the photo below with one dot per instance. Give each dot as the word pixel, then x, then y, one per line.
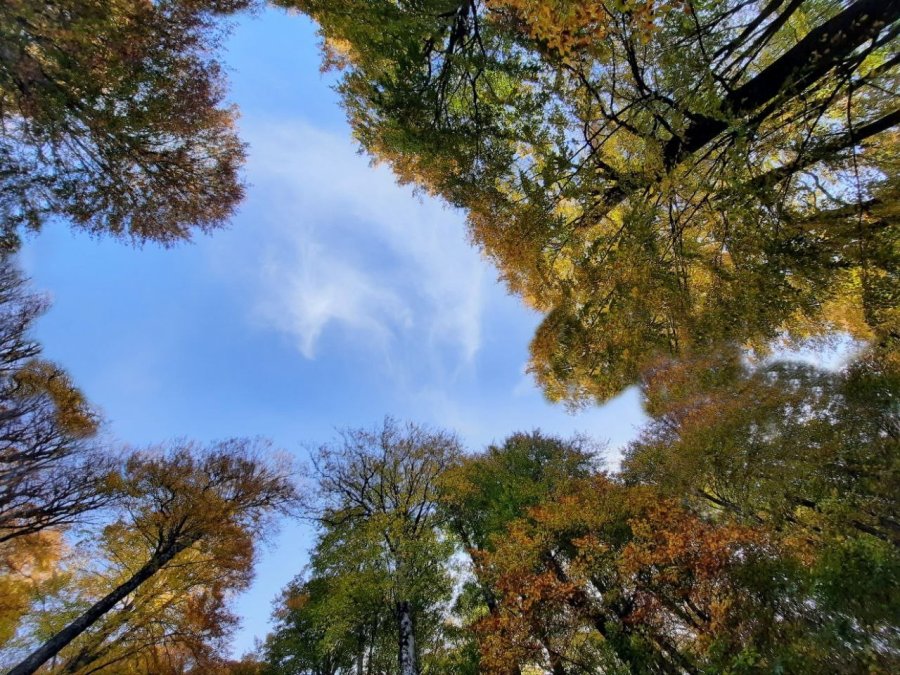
pixel 59 641
pixel 361 654
pixel 407 646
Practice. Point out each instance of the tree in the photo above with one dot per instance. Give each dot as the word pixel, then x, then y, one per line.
pixel 656 177
pixel 177 620
pixel 50 472
pixel 752 530
pixel 112 118
pixel 610 578
pixel 319 630
pixel 810 455
pixel 183 506
pixel 781 442
pixel 377 502
pixel 547 615
pixel 483 494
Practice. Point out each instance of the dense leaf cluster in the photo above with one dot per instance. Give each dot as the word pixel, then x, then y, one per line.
pixel 111 118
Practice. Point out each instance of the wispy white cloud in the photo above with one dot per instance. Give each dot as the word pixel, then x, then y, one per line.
pixel 310 287
pixel 355 252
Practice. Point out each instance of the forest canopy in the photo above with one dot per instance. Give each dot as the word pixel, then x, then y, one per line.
pixel 657 177
pixel 687 191
pixel 701 199
pixel 689 560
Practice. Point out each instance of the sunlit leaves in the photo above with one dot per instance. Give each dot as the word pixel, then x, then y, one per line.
pixel 656 177
pixel 189 523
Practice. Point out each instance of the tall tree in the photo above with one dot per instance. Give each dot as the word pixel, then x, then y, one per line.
pixel 484 493
pixel 656 177
pixel 811 455
pixel 377 500
pixel 50 470
pixel 177 620
pixel 181 506
pixel 111 117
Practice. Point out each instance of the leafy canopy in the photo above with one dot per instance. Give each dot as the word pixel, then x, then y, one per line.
pixel 111 117
pixel 656 177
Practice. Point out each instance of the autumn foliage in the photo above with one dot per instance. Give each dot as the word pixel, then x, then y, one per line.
pixel 112 118
pixel 701 199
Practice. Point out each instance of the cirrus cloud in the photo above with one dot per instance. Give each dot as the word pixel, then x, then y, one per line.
pixel 357 253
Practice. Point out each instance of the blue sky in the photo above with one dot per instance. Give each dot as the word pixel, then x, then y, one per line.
pixel 335 298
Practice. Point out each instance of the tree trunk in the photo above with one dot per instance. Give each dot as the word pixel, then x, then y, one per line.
pixel 407 646
pixel 374 637
pixel 361 654
pixel 820 50
pixel 56 643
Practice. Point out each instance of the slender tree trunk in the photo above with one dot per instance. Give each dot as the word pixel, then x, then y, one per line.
pixel 374 637
pixel 407 646
pixel 361 654
pixel 56 643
